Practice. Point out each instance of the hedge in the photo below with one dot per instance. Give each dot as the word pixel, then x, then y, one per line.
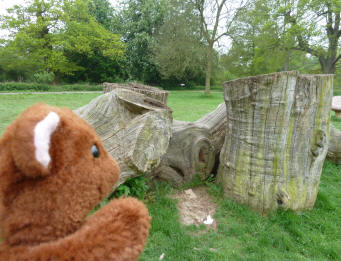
pixel 21 86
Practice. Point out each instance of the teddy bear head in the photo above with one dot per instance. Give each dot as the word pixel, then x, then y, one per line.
pixel 53 171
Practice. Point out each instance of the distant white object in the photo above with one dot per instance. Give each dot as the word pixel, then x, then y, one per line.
pixel 162 256
pixel 209 220
pixel 182 84
pixel 336 106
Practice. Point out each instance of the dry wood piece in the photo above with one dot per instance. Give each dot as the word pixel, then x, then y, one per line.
pixel 336 106
pixel 151 92
pixel 134 129
pixel 334 149
pixel 193 149
pixel 276 139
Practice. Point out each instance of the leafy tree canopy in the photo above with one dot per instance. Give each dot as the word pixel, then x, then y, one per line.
pixel 43 33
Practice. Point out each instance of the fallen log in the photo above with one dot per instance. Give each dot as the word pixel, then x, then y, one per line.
pixel 134 129
pixel 193 149
pixel 276 139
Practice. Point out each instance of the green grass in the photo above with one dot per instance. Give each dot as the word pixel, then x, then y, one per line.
pixel 192 105
pixel 12 105
pixel 242 234
pixel 187 105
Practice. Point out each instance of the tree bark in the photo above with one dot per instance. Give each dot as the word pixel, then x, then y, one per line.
pixel 208 70
pixel 134 129
pixel 193 149
pixel 276 139
pixel 152 92
pixel 334 149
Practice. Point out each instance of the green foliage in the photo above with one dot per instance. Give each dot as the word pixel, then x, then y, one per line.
pixel 134 187
pixel 102 11
pixel 43 77
pixel 178 51
pixel 270 36
pixel 21 86
pixel 139 22
pixel 45 33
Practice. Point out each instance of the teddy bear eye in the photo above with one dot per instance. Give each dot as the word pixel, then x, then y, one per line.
pixel 95 151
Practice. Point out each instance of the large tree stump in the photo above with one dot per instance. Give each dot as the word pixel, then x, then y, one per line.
pixel 276 139
pixel 193 148
pixel 134 129
pixel 334 149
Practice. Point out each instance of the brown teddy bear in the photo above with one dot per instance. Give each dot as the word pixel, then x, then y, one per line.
pixel 53 171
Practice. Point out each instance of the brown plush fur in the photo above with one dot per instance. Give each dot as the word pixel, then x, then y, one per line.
pixel 43 209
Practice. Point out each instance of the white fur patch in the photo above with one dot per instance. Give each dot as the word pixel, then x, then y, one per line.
pixel 42 137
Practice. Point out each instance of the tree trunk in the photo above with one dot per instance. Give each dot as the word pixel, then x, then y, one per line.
pixel 193 148
pixel 327 65
pixel 334 149
pixel 276 139
pixel 134 129
pixel 208 69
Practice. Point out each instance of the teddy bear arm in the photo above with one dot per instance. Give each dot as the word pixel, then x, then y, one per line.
pixel 118 231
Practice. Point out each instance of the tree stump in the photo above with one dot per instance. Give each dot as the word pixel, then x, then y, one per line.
pixel 334 149
pixel 193 148
pixel 134 129
pixel 276 139
pixel 152 92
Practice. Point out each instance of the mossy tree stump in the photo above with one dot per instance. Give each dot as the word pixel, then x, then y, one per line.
pixel 276 139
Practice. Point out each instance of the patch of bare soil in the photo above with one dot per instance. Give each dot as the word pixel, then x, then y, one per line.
pixel 196 207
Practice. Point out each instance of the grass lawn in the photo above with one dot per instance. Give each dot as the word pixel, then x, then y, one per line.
pixel 241 234
pixel 12 105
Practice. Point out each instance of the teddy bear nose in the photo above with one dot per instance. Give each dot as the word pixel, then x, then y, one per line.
pixel 95 151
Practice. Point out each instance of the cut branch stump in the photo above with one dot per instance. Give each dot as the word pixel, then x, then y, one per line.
pixel 134 129
pixel 152 92
pixel 276 139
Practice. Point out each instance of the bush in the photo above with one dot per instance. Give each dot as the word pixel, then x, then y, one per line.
pixel 134 187
pixel 43 77
pixel 20 86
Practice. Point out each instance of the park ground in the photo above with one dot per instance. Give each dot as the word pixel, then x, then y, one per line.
pixel 240 234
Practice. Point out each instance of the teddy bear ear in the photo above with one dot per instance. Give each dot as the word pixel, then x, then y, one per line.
pixel 31 141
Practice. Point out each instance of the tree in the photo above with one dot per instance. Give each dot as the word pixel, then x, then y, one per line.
pixel 264 41
pixel 140 21
pixel 43 34
pixel 103 12
pixel 308 26
pixel 178 51
pixel 259 45
pixel 211 14
pixel 315 27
